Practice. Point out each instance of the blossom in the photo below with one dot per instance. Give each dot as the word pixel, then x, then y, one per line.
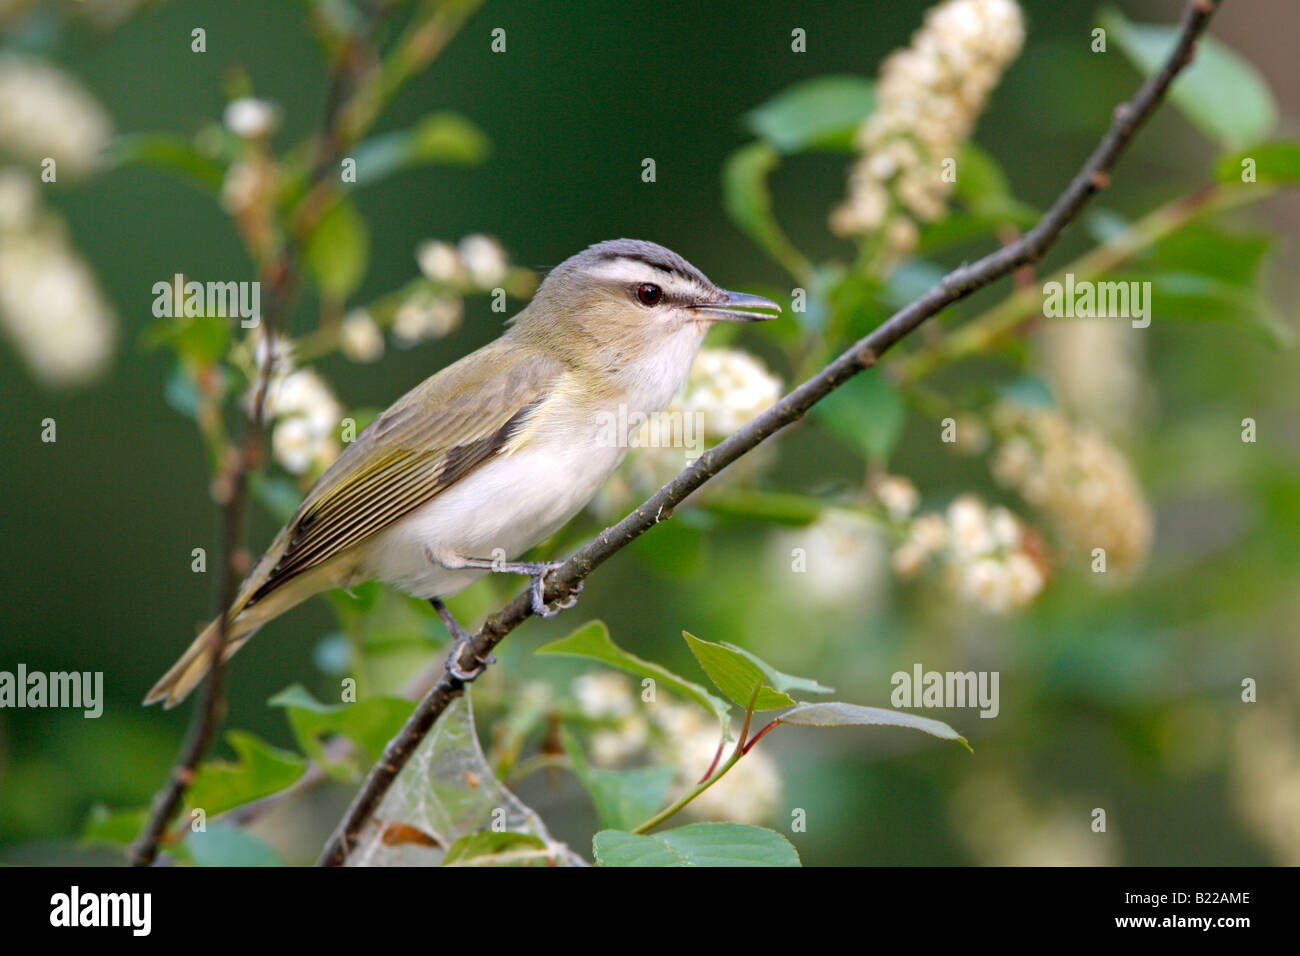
pixel 928 99
pixel 484 260
pixel 51 306
pixel 46 113
pixel 987 554
pixel 1081 482
pixel 426 315
pixel 251 118
pixel 360 338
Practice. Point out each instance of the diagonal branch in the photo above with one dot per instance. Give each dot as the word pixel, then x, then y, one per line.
pixel 956 285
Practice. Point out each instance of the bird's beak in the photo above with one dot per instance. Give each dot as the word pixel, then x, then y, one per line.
pixel 738 307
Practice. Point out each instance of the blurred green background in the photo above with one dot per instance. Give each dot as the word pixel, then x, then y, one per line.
pixel 1127 699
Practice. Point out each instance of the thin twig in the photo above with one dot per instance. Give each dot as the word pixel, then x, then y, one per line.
pixel 956 285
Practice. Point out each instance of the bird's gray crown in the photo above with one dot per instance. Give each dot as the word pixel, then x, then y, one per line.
pixel 639 250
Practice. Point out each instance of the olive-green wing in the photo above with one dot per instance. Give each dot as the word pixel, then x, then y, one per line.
pixel 428 440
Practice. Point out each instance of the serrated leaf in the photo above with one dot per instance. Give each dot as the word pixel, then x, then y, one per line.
pixel 1275 162
pixel 839 714
pixel 224 845
pixel 735 674
pixel 338 250
pixel 699 844
pixel 1221 92
pixel 623 798
pixel 490 847
pixel 368 723
pixel 819 113
pixel 592 641
pixel 866 413
pixel 258 771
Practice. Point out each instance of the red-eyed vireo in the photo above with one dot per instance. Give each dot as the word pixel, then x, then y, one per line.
pixel 493 453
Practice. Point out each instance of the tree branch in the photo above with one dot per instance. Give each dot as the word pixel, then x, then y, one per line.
pixel 956 285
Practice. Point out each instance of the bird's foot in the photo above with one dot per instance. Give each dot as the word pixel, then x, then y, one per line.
pixel 537 570
pixel 460 637
pixel 538 590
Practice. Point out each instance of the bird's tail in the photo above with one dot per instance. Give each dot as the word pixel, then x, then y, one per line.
pixel 192 666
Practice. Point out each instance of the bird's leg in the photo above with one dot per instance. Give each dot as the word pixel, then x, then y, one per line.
pixel 460 638
pixel 537 570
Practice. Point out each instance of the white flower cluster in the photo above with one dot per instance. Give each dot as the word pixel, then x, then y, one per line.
pixel 843 560
pixel 726 389
pixel 45 113
pixel 987 554
pixel 1108 394
pixel 730 388
pixel 304 413
pixel 360 337
pixel 683 736
pixel 477 262
pixel 51 307
pixel 1078 479
pixel 927 101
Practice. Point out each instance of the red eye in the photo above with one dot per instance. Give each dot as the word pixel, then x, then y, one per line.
pixel 647 293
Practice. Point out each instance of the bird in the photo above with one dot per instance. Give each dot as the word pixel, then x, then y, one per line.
pixel 494 453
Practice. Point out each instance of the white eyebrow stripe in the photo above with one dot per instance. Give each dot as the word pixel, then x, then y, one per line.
pixel 627 271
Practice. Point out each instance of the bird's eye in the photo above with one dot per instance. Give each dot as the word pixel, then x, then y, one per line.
pixel 647 293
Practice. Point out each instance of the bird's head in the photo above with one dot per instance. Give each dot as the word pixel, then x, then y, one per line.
pixel 630 305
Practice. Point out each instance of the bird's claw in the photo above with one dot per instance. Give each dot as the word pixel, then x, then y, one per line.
pixel 453 663
pixel 538 591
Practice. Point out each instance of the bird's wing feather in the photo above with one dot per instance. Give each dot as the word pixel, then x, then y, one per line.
pixel 424 443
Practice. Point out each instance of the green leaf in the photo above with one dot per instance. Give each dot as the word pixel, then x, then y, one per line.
pixel 623 798
pixel 699 844
pixel 748 202
pixel 820 113
pixel 777 679
pixel 1186 295
pixel 200 338
pixel 437 138
pixel 1275 162
pixel 225 845
pixel 983 188
pixel 866 413
pixel 736 674
pixel 258 771
pixel 368 723
pixel 486 847
pixel 169 152
pixel 592 641
pixel 838 714
pixel 116 828
pixel 1222 93
pixel 338 250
